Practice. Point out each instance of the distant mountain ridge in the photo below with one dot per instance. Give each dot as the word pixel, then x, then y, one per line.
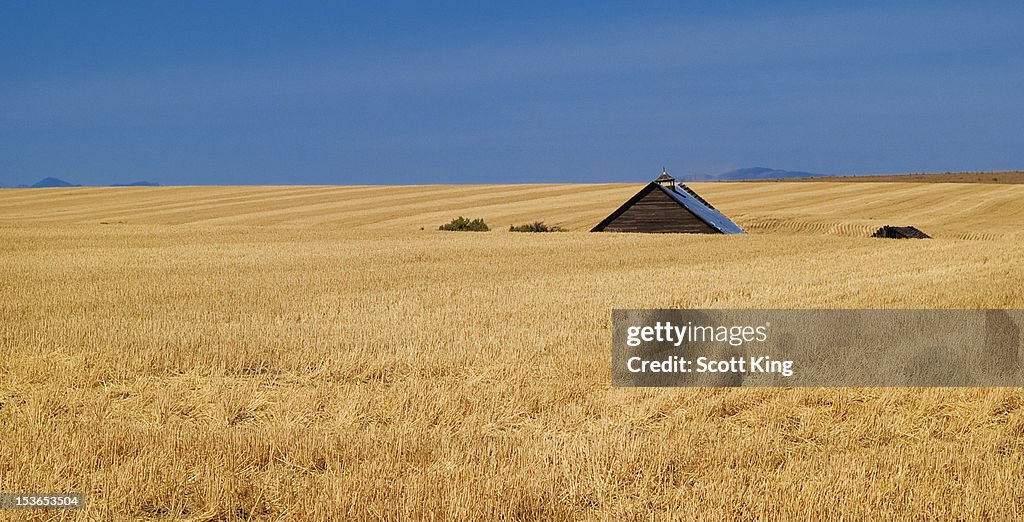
pixel 764 173
pixel 51 182
pixel 137 184
pixel 751 173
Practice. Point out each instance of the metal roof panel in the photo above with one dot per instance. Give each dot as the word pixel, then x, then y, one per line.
pixel 702 209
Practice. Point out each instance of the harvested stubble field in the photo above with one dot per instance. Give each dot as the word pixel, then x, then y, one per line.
pixel 316 353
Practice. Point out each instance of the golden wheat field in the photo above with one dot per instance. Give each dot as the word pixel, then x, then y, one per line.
pixel 325 353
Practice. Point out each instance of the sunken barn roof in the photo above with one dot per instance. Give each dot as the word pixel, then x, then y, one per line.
pixel 664 205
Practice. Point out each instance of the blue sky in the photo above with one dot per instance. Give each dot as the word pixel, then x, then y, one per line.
pixel 457 92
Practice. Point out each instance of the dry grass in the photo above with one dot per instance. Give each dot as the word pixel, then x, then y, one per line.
pixel 944 210
pixel 309 353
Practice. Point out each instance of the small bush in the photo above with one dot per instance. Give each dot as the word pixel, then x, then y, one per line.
pixel 461 224
pixel 536 226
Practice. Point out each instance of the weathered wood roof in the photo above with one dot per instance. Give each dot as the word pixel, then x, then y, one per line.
pixel 685 198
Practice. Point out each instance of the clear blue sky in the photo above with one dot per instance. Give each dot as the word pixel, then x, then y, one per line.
pixel 457 92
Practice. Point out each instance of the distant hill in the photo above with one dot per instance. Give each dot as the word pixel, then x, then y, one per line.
pixel 763 173
pixel 57 182
pixel 137 184
pixel 696 177
pixel 1005 177
pixel 52 182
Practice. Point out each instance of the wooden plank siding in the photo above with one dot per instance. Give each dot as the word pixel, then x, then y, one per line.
pixel 657 212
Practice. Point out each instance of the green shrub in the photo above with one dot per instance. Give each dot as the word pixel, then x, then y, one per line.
pixel 536 226
pixel 461 224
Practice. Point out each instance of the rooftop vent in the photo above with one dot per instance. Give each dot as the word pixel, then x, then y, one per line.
pixel 666 180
